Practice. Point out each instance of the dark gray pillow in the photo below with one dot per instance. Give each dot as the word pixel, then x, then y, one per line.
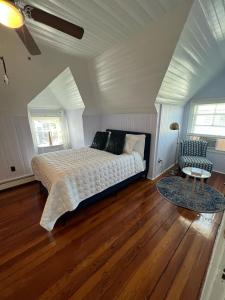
pixel 116 143
pixel 100 140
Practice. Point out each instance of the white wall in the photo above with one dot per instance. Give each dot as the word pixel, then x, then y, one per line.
pixel 167 141
pixel 76 130
pixel 134 122
pixel 16 147
pixel 91 125
pixel 165 148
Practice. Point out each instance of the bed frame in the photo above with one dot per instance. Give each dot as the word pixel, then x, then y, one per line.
pixel 121 184
pixel 124 183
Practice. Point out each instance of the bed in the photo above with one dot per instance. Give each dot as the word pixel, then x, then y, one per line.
pixel 77 177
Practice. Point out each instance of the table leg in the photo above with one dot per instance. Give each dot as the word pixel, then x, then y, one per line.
pixel 202 184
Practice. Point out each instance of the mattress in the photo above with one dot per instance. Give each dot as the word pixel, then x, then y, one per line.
pixel 71 176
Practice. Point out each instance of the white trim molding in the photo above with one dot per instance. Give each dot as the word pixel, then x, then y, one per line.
pixel 164 171
pixel 208 100
pixel 16 181
pixel 214 286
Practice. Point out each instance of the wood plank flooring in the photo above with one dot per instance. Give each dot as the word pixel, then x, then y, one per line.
pixel 131 245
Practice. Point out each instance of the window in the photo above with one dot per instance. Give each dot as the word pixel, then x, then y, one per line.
pixel 207 122
pixel 48 131
pixel 208 119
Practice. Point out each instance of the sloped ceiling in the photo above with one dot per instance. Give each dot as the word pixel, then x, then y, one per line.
pixel 129 75
pixel 118 66
pixel 27 78
pixel 199 55
pixel 62 92
pixel 106 22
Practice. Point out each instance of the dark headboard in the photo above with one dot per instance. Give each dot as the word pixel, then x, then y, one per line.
pixel 147 144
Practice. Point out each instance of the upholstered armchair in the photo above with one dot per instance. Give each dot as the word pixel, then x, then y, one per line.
pixel 193 154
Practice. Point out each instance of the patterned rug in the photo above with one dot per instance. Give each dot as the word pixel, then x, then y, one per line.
pixel 180 192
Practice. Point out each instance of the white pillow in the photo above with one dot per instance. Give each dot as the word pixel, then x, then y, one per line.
pixel 139 146
pixel 130 143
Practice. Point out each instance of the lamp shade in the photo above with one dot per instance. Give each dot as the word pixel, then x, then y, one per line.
pixel 174 126
pixel 10 15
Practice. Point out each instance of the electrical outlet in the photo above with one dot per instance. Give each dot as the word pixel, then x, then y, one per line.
pixel 13 169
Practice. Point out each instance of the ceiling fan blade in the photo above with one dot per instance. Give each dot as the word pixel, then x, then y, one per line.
pixel 28 40
pixel 54 22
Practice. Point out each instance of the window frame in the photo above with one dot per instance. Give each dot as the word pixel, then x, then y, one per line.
pixel 50 136
pixel 192 117
pixel 209 137
pixel 44 113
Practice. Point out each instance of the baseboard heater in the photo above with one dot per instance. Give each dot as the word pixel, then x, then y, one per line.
pixel 16 181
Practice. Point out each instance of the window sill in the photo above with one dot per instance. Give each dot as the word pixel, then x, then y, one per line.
pixel 51 146
pixel 216 151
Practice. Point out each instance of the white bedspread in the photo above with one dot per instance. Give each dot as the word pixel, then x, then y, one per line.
pixel 71 176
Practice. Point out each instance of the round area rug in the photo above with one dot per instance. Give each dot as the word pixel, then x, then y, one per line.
pixel 180 192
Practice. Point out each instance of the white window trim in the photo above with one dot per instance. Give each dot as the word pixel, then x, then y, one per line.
pixel 191 115
pixel 49 113
pixel 190 121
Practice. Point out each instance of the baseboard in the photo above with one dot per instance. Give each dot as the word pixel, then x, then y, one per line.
pixel 219 172
pixel 16 181
pixel 157 176
pixel 171 166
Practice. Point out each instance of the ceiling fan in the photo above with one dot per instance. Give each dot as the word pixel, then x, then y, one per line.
pixel 13 15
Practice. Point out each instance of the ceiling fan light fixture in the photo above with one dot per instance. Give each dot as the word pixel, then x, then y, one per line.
pixel 10 15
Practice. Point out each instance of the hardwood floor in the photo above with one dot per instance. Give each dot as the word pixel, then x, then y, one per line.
pixel 131 245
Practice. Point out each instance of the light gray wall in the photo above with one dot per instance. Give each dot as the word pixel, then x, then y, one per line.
pixel 215 89
pixel 167 141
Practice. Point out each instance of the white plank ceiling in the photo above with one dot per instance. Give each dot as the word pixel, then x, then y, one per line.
pixel 62 93
pixel 129 75
pixel 106 22
pixel 199 55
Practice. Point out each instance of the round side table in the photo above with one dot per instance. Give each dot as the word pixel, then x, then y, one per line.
pixel 196 173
